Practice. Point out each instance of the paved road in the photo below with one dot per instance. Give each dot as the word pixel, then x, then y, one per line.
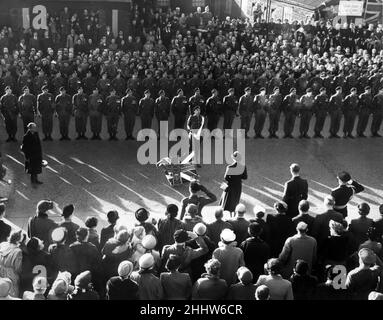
pixel 100 175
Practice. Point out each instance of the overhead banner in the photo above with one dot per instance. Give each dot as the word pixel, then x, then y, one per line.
pixel 351 8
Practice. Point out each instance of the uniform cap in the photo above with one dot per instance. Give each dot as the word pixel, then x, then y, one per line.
pixel 161 91
pixel 125 268
pixel 344 176
pixel 227 235
pixel 62 88
pixel 275 89
pixel 149 242
pixel 309 90
pixel 25 88
pixel 367 88
pixel 262 89
pixel 214 91
pixel 247 89
pixel 353 89
pixel 129 90
pixel 146 261
pixel 292 89
pixel 179 91
pixel 146 91
pixel 230 90
pixel 44 88
pixel 322 89
pixel 7 88
pixel 197 90
pixel 199 229
pixel 338 88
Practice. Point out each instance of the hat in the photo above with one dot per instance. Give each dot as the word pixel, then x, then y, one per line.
pixel 112 216
pixel 161 91
pixel 375 296
pixel 181 236
pixel 5 287
pixel 280 206
pixel 302 226
pixel 262 89
pixel 364 208
pixel 142 214
pixel 40 284
pixel 199 229
pixel 353 89
pixel 338 88
pixel 7 88
pixel 44 88
pixel 230 90
pixel 62 88
pixel 146 91
pixel 367 256
pixel 129 90
pixel 44 205
pixel 60 287
pixel 244 275
pixel 192 209
pixel 367 88
pixel 83 280
pixel 322 89
pixel 227 235
pixel 25 88
pixel 309 90
pixel 197 90
pixel 58 234
pixel 344 176
pixel 240 209
pixel 68 210
pixel 292 89
pixel 247 89
pixel 125 268
pixel 146 261
pixel 275 89
pixel 149 242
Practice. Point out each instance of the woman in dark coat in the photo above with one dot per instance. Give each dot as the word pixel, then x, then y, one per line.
pixel 31 148
pixel 234 176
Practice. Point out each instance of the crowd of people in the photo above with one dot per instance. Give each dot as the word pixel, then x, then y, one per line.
pixel 169 62
pixel 290 254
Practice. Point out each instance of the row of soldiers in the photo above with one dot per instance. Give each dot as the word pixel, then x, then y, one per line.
pixel 96 105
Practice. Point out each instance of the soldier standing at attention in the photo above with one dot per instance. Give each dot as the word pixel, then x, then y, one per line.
pixel 46 109
pixel 197 100
pixel 9 110
pixel 179 109
pixel 146 110
pixel 320 110
pixel 261 102
pixel 377 113
pixel 350 107
pixel 335 110
pixel 365 102
pixel 289 106
pixel 103 85
pixel 245 107
pixel 213 110
pixel 275 103
pixel 162 110
pixel 64 111
pixel 112 112
pixel 96 105
pixel 80 110
pixel 307 104
pixel 129 109
pixel 27 107
pixel 119 84
pixel 230 106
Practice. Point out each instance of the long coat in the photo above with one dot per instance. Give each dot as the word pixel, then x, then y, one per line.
pixel 31 148
pixel 232 194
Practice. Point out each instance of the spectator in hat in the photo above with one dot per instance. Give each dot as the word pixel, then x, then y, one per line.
pixel 215 228
pixel 5 229
pixel 262 293
pixel 230 256
pixel 122 287
pixel 91 223
pixel 239 224
pixel 300 246
pixel 11 260
pixel 281 227
pixel 303 283
pixel 259 213
pixel 108 232
pixel 176 285
pixel 304 216
pixel 40 285
pixel 147 245
pixel 149 286
pixel 68 224
pixel 279 288
pixel 210 286
pixel 61 287
pixel 186 253
pixel 142 215
pixel 244 289
pixel 5 288
pixel 196 199
pixel 332 288
pixel 256 252
pixel 84 288
pixel 168 225
pixel 359 227
pixel 40 226
pixel 364 279
pixel 191 218
pixel 375 296
pixel 374 242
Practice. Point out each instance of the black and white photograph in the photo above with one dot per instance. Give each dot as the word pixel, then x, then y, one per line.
pixel 219 150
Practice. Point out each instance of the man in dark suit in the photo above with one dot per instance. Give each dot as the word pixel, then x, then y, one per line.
pixel 108 232
pixel 296 189
pixel 344 192
pixel 5 229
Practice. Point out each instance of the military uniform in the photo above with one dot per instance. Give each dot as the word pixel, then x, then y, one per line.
pixel 275 103
pixel 74 84
pixel 197 101
pixel 112 113
pixel 45 106
pixel 290 106
pixel 57 82
pixel 179 108
pixel 335 110
pixel 320 110
pixel 129 108
pixel 245 107
pixel 64 111
pixel 119 84
pixel 96 108
pixel 146 111
pixel 88 84
pixel 162 109
pixel 27 109
pixel 213 112
pixel 350 108
pixel 306 111
pixel 81 111
pixel 343 194
pixel 230 107
pixel 103 86
pixel 377 114
pixel 10 110
pixel 365 102
pixel 260 111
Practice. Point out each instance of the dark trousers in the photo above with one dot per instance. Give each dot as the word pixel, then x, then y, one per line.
pixel 349 121
pixel 47 123
pixel 305 121
pixel 335 118
pixel 245 122
pixel 80 123
pixel 320 118
pixel 146 122
pixel 11 125
pixel 363 120
pixel 179 121
pixel 129 122
pixel 228 118
pixel 112 124
pixel 377 118
pixel 28 118
pixel 289 122
pixel 212 121
pixel 64 120
pixel 260 117
pixel 95 123
pixel 274 121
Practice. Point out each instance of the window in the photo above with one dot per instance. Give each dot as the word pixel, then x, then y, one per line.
pixel 198 3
